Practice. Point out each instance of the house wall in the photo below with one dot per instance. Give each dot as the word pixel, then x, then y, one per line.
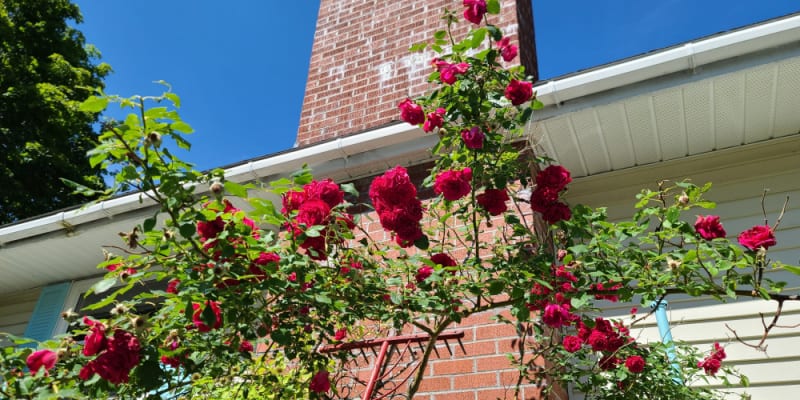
pixel 360 65
pixel 16 309
pixel 740 176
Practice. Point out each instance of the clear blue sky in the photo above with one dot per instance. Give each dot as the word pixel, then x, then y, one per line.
pixel 240 67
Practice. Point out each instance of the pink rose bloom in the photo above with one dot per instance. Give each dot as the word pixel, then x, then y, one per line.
pixel 475 10
pixel 635 364
pixel 473 138
pixel 435 120
pixel 423 273
pixel 320 383
pixel 453 185
pixel 709 227
pixel 493 201
pixel 519 91
pixel 449 72
pixel 556 315
pixel 507 50
pixel 41 358
pixel 411 112
pixel 197 318
pixel 572 343
pixel 757 237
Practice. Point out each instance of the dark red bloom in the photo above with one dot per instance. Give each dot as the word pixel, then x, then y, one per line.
pixel 448 73
pixel 554 177
pixel 572 343
pixel 292 200
pixel 493 201
pixel 507 50
pixel 709 227
pixel 320 383
pixel 41 358
pixel 197 317
pixel 116 361
pixel 452 184
pixel 395 200
pixel 557 315
pixel 519 91
pixel 326 190
pixel 172 286
pixel 95 341
pixel 340 334
pixel 757 237
pixel 245 347
pixel 423 273
pixel 443 260
pixel 635 364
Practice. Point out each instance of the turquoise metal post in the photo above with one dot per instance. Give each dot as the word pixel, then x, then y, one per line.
pixel 660 308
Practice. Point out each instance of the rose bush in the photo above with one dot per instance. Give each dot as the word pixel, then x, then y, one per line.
pixel 256 292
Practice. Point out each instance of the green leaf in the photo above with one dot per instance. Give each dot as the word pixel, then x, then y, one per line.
pixel 94 104
pixel 495 32
pixel 537 105
pixel 440 34
pixel 104 285
pixel 792 268
pixel 236 189
pixel 174 98
pixel 417 47
pixel 496 286
pixel 493 7
pixel 148 374
pixel 149 224
pixel 422 243
pixel 478 35
pixel 181 126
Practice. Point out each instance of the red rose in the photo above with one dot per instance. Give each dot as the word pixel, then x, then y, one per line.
pixel 475 10
pixel 553 177
pixel 507 50
pixel 245 346
pixel 395 200
pixel 443 260
pixel 453 185
pixel 95 341
pixel 326 190
pixel 757 237
pixel 519 91
pixel 435 120
pixel 709 227
pixel 292 200
pixel 197 317
pixel 713 362
pixel 555 212
pixel 41 358
pixel 572 343
pixel 320 383
pixel 172 286
pixel 493 201
pixel 340 335
pixel 115 363
pixel 556 315
pixel 313 212
pixel 411 112
pixel 473 138
pixel 423 273
pixel 635 364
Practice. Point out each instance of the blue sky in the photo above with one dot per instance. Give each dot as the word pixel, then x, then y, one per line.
pixel 240 67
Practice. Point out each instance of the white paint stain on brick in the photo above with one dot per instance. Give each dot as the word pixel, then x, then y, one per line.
pixel 415 64
pixel 336 73
pixel 386 72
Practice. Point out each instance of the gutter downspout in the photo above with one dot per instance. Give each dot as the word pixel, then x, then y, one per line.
pixel 660 308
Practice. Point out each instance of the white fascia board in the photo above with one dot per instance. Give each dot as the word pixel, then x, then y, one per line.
pixel 323 155
pixel 688 56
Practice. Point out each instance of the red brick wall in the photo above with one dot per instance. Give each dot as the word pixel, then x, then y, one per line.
pixel 360 65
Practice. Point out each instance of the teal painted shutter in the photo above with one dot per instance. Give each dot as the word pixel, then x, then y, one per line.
pixel 47 311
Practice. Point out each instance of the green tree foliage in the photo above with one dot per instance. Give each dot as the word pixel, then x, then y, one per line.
pixel 46 71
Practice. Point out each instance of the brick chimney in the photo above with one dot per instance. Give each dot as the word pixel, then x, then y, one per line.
pixel 361 68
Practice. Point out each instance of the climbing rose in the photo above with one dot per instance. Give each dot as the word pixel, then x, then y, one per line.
pixel 757 237
pixel 473 138
pixel 519 91
pixel 443 260
pixel 320 382
pixel 553 177
pixel 313 212
pixel 95 341
pixel 554 212
pixel 245 346
pixel 453 185
pixel 326 190
pixel 435 120
pixel 475 10
pixel 172 286
pixel 713 362
pixel 448 73
pixel 557 315
pixel 572 343
pixel 115 363
pixel 399 210
pixel 423 273
pixel 709 227
pixel 197 317
pixel 411 112
pixel 635 364
pixel 340 334
pixel 41 358
pixel 493 201
pixel 507 50
pixel 292 201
